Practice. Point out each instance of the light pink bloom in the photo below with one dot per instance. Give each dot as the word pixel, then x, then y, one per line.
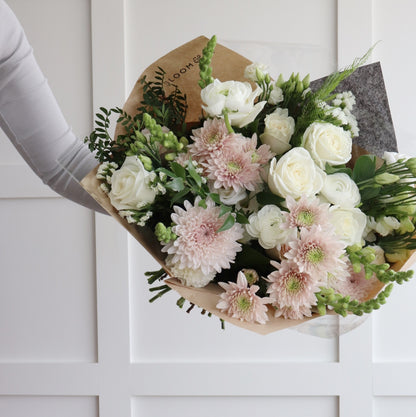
pixel 357 286
pixel 240 301
pixel 292 291
pixel 232 168
pixel 316 252
pixel 213 136
pixel 261 155
pixel 199 244
pixel 306 212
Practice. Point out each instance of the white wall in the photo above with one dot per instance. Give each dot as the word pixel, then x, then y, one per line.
pixel 77 335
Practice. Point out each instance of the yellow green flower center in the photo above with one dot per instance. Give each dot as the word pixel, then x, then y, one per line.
pixel 243 303
pixel 306 218
pixel 315 255
pixel 293 285
pixel 233 167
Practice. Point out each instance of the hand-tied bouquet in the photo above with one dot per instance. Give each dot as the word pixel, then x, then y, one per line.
pixel 259 194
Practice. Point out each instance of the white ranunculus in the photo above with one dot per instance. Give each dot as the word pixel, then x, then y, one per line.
pixel 349 224
pixel 341 190
pixel 328 143
pixel 234 97
pixel 129 189
pixel 278 131
pixel 189 277
pixel 295 174
pixel 265 225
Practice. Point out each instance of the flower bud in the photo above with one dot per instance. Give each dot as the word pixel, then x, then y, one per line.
pixel 306 82
pixel 386 178
pixel 411 165
pixel 280 81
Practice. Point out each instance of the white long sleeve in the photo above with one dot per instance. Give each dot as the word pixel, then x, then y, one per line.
pixel 32 119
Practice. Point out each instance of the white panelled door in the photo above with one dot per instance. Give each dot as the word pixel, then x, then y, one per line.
pixel 77 334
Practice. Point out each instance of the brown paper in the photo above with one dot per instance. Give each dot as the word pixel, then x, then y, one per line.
pixel 181 66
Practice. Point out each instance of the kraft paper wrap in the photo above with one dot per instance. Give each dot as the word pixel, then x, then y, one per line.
pixel 181 66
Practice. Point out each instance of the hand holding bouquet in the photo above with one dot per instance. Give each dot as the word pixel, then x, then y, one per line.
pixel 258 192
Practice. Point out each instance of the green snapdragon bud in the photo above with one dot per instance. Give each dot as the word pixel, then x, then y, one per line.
pixel 147 162
pixel 406 225
pixel 259 75
pixel 299 86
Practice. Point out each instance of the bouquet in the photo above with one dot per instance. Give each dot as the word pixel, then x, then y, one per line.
pixel 251 192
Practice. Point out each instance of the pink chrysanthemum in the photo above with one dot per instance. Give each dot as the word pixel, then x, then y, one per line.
pixel 233 168
pixel 306 212
pixel 240 301
pixel 292 291
pixel 260 155
pixel 316 252
pixel 213 136
pixel 357 286
pixel 198 243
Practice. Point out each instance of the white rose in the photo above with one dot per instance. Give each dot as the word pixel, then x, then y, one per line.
pixel 295 174
pixel 252 70
pixel 129 189
pixel 235 97
pixel 230 197
pixel 328 143
pixel 265 225
pixel 349 224
pixel 341 190
pixel 278 131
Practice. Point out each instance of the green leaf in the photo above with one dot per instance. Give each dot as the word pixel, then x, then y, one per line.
pixel 329 169
pixel 178 169
pixel 241 218
pixel 178 196
pixel 176 184
pixel 192 172
pixel 228 224
pixel 215 198
pixel 364 168
pixel 224 209
pixel 203 204
pixel 267 197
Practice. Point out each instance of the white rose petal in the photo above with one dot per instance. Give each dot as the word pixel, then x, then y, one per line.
pixel 265 225
pixel 129 189
pixel 190 277
pixel 349 224
pixel 235 97
pixel 328 143
pixel 295 174
pixel 339 189
pixel 279 128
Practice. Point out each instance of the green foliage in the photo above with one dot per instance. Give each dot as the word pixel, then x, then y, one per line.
pixel 168 109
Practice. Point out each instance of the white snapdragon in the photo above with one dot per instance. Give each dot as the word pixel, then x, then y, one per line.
pixel 276 95
pixel 265 225
pixel 279 128
pixel 383 226
pixel 349 224
pixel 255 69
pixel 234 97
pixel 392 157
pixel 295 174
pixel 328 143
pixel 339 189
pixel 129 186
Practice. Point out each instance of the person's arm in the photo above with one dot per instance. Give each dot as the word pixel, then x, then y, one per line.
pixel 32 119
